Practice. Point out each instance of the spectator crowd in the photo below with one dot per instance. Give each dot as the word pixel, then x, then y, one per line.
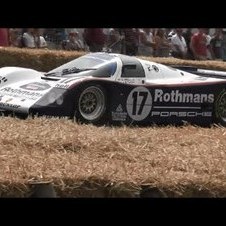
pixel 187 43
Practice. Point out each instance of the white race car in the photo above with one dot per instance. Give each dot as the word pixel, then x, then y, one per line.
pixel 107 87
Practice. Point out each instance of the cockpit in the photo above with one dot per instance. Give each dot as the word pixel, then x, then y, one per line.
pixel 94 64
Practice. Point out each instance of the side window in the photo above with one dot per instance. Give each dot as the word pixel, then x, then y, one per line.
pixel 132 71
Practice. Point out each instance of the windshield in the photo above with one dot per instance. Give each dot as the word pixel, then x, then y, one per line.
pixel 99 65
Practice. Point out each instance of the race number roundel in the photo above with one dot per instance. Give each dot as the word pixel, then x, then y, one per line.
pixel 139 103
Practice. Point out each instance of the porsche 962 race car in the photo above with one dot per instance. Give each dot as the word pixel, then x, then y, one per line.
pixel 106 87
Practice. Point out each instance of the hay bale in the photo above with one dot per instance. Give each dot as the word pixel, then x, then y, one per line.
pixel 89 161
pixel 45 60
pixel 38 59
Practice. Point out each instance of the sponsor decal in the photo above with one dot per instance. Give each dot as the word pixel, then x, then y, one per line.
pixel 153 67
pixel 20 93
pixel 156 69
pixel 127 80
pixel 175 96
pixel 62 86
pixel 148 67
pixel 181 113
pixel 3 79
pixel 9 105
pixel 139 103
pixel 119 114
pixel 119 108
pixel 37 86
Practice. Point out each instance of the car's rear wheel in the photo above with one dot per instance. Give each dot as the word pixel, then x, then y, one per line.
pixel 220 109
pixel 92 104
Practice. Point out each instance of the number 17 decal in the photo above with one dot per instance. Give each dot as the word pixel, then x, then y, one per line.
pixel 139 103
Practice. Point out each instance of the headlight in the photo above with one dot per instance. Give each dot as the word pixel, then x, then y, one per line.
pixel 60 100
pixel 51 97
pixel 54 96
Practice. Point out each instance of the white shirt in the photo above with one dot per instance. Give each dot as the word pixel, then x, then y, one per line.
pixel 175 40
pixel 30 41
pixel 208 39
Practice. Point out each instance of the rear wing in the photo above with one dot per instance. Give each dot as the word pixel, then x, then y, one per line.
pixel 202 72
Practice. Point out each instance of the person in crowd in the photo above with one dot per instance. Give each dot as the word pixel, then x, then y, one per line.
pixel 224 44
pixel 187 34
pixel 4 37
pixel 74 42
pixel 146 42
pixel 54 37
pixel 163 45
pixel 217 44
pixel 95 39
pixel 33 39
pixel 114 43
pixel 210 54
pixel 131 41
pixel 14 36
pixel 199 45
pixel 179 46
pixel 170 32
pixel 50 37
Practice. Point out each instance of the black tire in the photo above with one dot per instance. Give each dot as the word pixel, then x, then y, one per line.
pixel 91 104
pixel 220 109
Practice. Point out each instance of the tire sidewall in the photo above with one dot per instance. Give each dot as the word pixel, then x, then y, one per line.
pixel 102 116
pixel 217 118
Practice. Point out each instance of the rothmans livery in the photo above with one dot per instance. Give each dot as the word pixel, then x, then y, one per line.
pixel 114 88
pixel 176 96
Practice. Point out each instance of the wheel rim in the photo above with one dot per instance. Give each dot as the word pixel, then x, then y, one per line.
pixel 221 107
pixel 92 103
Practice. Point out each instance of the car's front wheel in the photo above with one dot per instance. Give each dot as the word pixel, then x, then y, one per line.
pixel 220 109
pixel 92 104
